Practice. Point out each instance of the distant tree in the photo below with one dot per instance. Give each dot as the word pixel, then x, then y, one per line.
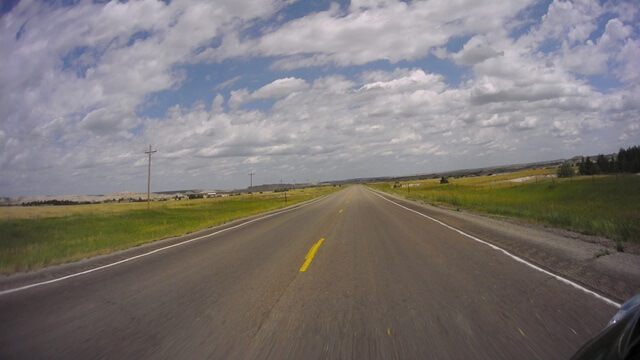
pixel 566 170
pixel 444 180
pixel 615 166
pixel 629 159
pixel 603 164
pixel 586 167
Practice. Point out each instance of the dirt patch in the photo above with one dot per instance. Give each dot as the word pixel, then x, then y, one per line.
pixel 526 179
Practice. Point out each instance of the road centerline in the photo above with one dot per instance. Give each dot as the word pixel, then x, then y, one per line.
pixel 311 254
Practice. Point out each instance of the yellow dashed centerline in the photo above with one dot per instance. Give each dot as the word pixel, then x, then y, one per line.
pixel 310 255
pixel 340 212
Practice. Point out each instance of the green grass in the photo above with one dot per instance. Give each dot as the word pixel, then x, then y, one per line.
pixel 603 205
pixel 34 237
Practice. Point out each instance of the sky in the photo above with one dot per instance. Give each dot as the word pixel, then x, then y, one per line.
pixel 306 91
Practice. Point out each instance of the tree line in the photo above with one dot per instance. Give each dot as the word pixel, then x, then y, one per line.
pixel 55 202
pixel 627 161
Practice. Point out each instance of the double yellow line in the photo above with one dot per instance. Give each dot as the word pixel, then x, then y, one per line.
pixel 310 255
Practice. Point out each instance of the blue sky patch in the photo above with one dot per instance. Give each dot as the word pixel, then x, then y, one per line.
pixel 550 46
pixel 604 83
pixel 455 44
pixel 74 61
pixel 21 31
pixel 529 17
pixel 138 36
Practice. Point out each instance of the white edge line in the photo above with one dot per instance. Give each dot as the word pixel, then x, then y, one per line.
pixel 557 277
pixel 9 291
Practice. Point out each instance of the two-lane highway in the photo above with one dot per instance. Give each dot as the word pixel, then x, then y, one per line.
pixel 350 276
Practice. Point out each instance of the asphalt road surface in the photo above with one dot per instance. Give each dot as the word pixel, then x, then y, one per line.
pixel 384 283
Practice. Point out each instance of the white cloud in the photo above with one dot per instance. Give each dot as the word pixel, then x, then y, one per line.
pixel 476 50
pixel 495 120
pixel 593 58
pixel 228 83
pixel 280 88
pixel 216 105
pixel 105 121
pixel 629 59
pixel 238 97
pixel 528 123
pixel 73 84
pixel 573 24
pixel 108 70
pixel 276 89
pixel 370 31
pixel 405 80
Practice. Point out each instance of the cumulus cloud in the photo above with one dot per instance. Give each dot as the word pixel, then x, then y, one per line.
pixel 593 57
pixel 238 97
pixel 572 25
pixel 571 21
pixel 476 50
pixel 77 76
pixel 105 121
pixel 391 115
pixel 528 123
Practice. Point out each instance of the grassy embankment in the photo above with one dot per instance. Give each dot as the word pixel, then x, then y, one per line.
pixel 602 205
pixel 34 237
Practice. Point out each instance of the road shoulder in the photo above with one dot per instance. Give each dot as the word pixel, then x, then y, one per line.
pixel 590 261
pixel 17 280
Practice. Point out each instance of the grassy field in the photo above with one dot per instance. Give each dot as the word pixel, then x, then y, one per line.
pixel 600 205
pixel 34 237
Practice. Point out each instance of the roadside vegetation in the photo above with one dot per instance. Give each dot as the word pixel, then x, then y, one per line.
pixel 33 237
pixel 605 205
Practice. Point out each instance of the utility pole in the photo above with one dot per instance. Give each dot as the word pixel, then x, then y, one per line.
pixel 150 152
pixel 285 193
pixel 251 173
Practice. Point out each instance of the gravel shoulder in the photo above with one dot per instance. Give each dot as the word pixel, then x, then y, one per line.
pixel 590 261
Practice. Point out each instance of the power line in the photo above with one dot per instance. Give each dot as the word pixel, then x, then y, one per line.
pixel 150 152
